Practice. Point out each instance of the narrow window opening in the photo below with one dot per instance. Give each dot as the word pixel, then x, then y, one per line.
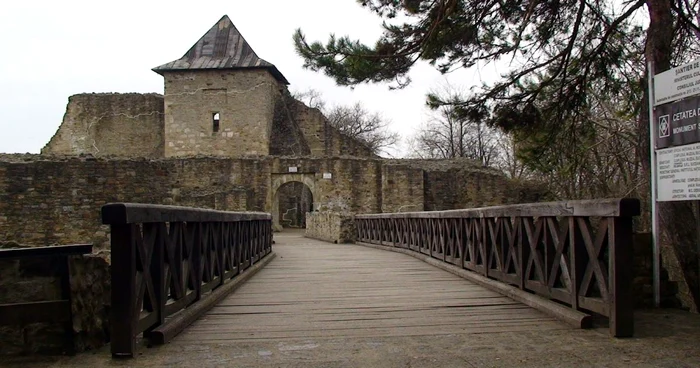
pixel 215 122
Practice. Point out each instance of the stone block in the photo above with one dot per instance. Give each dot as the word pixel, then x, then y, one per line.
pixel 336 227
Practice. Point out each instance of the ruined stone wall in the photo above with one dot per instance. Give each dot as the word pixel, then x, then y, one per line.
pixel 336 227
pixel 322 138
pixel 354 184
pixel 403 188
pixel 58 201
pixel 287 138
pixel 462 183
pixel 110 124
pixel 244 99
pixel 48 200
pixel 257 116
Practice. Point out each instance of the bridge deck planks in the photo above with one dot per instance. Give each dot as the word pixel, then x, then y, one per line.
pixel 321 290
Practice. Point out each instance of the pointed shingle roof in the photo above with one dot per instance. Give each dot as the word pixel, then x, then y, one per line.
pixel 222 47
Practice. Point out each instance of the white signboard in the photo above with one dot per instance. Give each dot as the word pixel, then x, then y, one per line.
pixel 327 175
pixel 677 83
pixel 292 169
pixel 678 171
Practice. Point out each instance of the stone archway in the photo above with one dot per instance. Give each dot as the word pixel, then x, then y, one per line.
pixel 294 201
pixel 295 195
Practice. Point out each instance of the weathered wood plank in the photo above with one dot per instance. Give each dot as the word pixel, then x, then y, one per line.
pixel 323 290
pixel 130 213
pixel 54 251
pixel 32 312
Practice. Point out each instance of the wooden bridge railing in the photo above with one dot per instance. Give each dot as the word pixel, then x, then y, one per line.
pixel 576 252
pixel 165 258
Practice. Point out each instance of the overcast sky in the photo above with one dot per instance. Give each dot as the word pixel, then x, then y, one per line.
pixel 54 49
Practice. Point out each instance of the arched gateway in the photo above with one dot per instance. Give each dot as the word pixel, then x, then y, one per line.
pixel 292 196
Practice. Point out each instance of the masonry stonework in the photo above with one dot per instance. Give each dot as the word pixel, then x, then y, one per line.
pixel 287 138
pixel 56 200
pixel 111 124
pixel 322 138
pixel 335 227
pixel 244 101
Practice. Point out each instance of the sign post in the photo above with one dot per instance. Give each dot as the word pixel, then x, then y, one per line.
pixel 674 125
pixel 656 254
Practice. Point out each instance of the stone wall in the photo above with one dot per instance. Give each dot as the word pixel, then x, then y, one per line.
pixel 38 279
pixel 354 183
pixel 323 139
pixel 403 188
pixel 336 227
pixel 56 200
pixel 110 124
pixel 462 183
pixel 287 138
pixel 257 116
pixel 244 100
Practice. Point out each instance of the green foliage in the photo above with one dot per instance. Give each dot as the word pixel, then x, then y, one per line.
pixel 560 52
pixel 575 82
pixel 351 62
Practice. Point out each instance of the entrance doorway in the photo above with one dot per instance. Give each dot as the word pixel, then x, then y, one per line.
pixel 295 200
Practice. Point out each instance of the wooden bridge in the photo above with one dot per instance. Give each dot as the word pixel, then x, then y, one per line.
pixel 318 290
pixel 170 265
pixel 474 288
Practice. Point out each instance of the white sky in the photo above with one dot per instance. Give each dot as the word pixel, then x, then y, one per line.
pixel 54 49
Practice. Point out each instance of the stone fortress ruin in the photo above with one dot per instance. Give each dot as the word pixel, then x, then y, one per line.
pixel 226 135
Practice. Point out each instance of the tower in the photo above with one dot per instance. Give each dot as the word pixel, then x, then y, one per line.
pixel 219 97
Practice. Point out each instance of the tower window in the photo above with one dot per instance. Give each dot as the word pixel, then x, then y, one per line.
pixel 215 122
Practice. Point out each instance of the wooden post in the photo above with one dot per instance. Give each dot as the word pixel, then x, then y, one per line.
pixel 123 271
pixel 220 250
pixel 578 257
pixel 196 256
pixel 621 275
pixel 484 244
pixel 523 251
pixel 158 272
pixel 64 272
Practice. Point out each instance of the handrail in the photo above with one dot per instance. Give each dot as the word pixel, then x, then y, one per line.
pixel 39 252
pixel 166 258
pixel 132 213
pixel 574 252
pixel 618 207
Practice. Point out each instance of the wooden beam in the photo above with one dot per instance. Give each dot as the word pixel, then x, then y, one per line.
pixel 34 312
pixel 54 251
pixel 131 213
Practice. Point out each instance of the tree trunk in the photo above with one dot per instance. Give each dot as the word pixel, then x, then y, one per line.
pixel 677 235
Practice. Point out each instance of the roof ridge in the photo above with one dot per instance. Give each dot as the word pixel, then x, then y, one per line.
pixel 221 47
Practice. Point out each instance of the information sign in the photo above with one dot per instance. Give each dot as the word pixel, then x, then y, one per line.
pixel 677 83
pixel 678 171
pixel 677 123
